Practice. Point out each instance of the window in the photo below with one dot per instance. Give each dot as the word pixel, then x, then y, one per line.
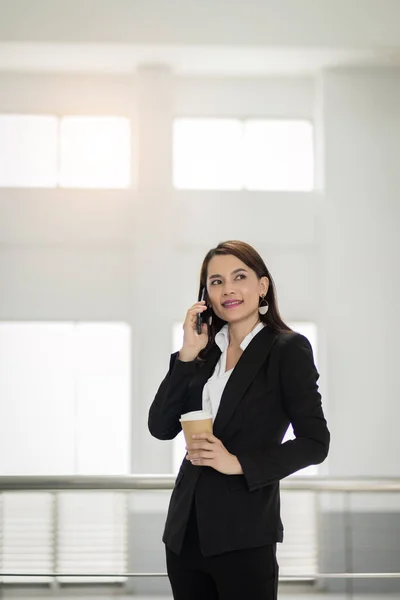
pixel 28 151
pixel 64 410
pixel 278 155
pixel 254 154
pixel 71 151
pixel 64 390
pixel 207 154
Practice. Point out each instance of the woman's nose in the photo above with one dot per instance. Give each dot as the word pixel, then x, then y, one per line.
pixel 228 290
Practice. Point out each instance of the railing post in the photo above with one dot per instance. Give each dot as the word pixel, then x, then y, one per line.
pixel 348 544
pixel 320 583
pixel 1 541
pixel 55 584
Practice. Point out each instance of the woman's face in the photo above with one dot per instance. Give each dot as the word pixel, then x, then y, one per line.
pixel 233 288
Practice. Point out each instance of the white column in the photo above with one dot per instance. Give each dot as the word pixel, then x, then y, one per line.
pixel 153 263
pixel 360 269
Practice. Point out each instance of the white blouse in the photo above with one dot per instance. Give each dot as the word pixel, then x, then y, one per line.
pixel 215 385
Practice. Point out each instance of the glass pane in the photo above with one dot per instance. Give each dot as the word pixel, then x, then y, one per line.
pixel 102 380
pixel 28 151
pixel 27 535
pixel 92 536
pixel 36 399
pixel 207 154
pixel 95 152
pixel 278 155
pixel 64 398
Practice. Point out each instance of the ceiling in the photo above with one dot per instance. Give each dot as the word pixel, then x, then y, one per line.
pixel 192 37
pixel 185 60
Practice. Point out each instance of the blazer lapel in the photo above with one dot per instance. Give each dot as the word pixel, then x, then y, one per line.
pixel 243 374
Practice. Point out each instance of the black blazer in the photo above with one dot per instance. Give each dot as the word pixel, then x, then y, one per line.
pixel 274 383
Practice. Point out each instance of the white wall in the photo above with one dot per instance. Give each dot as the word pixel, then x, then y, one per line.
pixel 135 255
pixel 361 245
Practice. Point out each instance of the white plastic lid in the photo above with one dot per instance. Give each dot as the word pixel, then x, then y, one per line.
pixel 196 415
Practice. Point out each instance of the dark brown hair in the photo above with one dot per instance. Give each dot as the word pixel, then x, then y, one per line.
pixel 252 259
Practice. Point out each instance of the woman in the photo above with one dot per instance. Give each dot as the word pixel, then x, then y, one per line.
pixel 256 376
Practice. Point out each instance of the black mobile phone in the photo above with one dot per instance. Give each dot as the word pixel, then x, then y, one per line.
pixel 199 320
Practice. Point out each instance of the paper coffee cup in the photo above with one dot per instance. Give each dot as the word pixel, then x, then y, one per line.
pixel 197 421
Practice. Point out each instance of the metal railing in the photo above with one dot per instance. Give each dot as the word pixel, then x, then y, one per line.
pixel 166 482
pixel 129 483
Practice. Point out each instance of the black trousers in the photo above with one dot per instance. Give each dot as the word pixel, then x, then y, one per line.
pixel 250 573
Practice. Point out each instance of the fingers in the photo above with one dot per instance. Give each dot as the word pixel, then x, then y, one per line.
pixel 206 436
pixel 192 313
pixel 197 304
pixel 204 449
pixel 199 454
pixel 204 440
pixel 191 316
pixel 194 310
pixel 200 446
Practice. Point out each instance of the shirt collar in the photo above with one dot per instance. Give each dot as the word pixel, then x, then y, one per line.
pixel 222 337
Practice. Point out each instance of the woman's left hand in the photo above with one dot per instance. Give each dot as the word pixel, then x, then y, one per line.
pixel 208 451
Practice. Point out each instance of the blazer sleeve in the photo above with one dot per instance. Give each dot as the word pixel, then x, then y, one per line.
pixel 302 403
pixel 170 399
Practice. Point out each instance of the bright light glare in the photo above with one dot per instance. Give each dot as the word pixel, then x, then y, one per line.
pixel 28 151
pixel 95 152
pixel 207 154
pixel 278 155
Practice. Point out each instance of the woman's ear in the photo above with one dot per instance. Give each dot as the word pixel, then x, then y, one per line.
pixel 265 282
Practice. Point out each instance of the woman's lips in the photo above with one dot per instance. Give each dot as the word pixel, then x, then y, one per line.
pixel 234 305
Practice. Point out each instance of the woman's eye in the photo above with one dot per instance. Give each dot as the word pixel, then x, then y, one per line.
pixel 241 275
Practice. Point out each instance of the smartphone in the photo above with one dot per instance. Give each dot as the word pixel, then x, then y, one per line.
pixel 199 321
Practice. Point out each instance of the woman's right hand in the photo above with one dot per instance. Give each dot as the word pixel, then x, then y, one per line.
pixel 193 342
